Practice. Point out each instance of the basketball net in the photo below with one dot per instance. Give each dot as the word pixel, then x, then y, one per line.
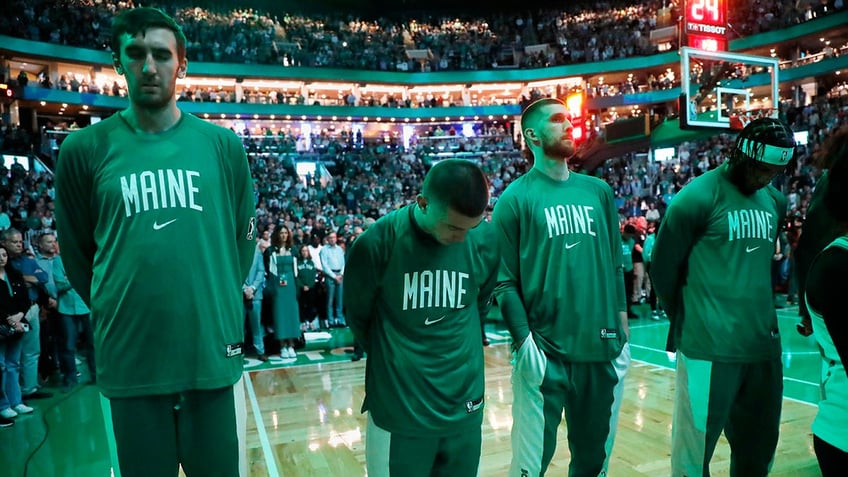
pixel 741 118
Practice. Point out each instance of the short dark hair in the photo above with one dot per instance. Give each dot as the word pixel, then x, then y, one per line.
pixel 139 20
pixel 531 113
pixel 45 234
pixel 529 116
pixel 458 184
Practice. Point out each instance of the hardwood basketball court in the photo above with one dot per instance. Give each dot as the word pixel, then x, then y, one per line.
pixel 308 421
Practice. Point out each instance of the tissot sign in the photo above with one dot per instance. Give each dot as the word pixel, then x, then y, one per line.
pixel 705 24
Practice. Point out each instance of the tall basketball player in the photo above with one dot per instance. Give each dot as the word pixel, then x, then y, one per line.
pixel 155 213
pixel 561 293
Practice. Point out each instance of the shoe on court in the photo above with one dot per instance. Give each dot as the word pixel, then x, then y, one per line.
pixel 23 409
pixel 4 422
pixel 8 413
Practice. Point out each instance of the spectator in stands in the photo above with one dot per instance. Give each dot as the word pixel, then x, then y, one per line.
pixel 253 291
pixel 281 287
pixel 45 256
pixel 333 263
pixel 307 296
pixel 36 280
pixel 5 221
pixel 14 303
pixel 75 323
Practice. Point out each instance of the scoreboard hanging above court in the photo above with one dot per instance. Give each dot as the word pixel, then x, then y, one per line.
pixel 705 24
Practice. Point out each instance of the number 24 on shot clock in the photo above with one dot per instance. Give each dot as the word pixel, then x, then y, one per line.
pixel 706 24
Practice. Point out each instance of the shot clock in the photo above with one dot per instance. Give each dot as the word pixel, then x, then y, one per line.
pixel 705 24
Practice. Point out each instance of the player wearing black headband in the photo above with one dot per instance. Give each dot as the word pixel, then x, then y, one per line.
pixel 711 269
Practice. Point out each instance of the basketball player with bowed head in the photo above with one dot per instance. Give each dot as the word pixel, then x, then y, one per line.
pixel 712 271
pixel 417 281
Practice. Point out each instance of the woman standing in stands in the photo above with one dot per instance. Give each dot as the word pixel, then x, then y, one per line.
pixel 14 302
pixel 307 299
pixel 280 284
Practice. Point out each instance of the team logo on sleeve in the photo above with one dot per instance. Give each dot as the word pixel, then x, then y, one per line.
pixel 473 405
pixel 251 228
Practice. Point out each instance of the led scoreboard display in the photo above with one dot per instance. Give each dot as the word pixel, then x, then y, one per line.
pixel 706 24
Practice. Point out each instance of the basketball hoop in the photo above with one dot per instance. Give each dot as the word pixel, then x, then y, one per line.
pixel 741 118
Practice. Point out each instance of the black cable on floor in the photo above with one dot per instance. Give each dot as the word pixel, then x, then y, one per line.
pixel 47 426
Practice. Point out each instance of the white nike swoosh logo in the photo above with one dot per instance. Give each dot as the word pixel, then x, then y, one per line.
pixel 429 322
pixel 158 226
pixel 749 249
pixel 569 246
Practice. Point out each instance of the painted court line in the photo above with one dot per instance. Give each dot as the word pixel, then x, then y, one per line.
pixel 801 381
pixel 785 378
pixel 800 401
pixel 270 460
pixel 649 325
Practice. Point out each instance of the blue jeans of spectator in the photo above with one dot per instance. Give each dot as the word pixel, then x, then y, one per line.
pixel 334 302
pixel 30 351
pixel 253 310
pixel 72 326
pixel 10 365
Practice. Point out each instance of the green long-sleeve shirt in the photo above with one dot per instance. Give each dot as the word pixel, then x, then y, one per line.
pixel 712 270
pixel 157 237
pixel 561 265
pixel 413 304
